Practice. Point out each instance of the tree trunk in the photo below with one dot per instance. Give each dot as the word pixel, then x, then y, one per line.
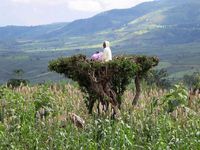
pixel 138 90
pixel 90 105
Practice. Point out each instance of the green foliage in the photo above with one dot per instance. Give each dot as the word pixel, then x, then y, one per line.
pixel 178 96
pixel 145 64
pixel 17 118
pixel 143 127
pixel 97 78
pixel 167 19
pixel 43 99
pixel 159 78
pixel 16 82
pixel 19 127
pixel 192 81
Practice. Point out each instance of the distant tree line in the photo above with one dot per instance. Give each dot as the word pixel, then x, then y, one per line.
pixel 160 78
pixel 18 79
pixel 192 81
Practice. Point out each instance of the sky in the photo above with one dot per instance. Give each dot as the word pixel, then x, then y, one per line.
pixel 38 12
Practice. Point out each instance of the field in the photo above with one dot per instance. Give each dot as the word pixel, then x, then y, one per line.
pixel 148 125
pixel 51 113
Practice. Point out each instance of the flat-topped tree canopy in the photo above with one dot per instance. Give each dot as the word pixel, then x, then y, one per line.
pixel 103 81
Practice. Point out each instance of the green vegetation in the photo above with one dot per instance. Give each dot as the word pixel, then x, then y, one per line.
pixel 13 83
pixel 147 126
pixel 17 58
pixel 176 97
pixel 18 80
pixel 159 78
pixel 39 117
pixel 105 81
pixel 192 81
pixel 165 28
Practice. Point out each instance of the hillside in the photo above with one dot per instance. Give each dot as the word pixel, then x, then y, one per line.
pixel 167 28
pixel 150 20
pixel 30 32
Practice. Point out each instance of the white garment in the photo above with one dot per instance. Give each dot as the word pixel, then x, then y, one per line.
pixel 107 54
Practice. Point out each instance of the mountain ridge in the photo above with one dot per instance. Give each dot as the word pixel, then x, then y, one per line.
pixel 169 29
pixel 109 21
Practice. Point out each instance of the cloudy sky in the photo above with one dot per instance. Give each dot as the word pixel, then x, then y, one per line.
pixel 35 12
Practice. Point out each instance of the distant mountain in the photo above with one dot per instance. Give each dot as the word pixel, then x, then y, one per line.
pixel 161 22
pixel 175 12
pixel 108 20
pixel 31 32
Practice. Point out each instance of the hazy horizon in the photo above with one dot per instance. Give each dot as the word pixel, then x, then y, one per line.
pixel 41 12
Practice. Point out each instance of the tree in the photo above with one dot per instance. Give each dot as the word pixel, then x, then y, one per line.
pixel 145 64
pixel 18 73
pixel 159 78
pixel 192 81
pixel 17 80
pixel 105 82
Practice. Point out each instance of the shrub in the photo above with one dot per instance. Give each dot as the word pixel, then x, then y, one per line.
pixel 158 78
pixel 16 82
pixel 177 96
pixel 192 81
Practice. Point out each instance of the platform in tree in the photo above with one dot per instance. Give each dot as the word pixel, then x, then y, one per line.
pixel 105 81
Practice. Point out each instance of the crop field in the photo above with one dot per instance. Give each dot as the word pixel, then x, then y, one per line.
pixel 38 117
pixel 146 98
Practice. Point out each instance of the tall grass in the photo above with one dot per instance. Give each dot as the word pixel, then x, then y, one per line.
pixel 38 118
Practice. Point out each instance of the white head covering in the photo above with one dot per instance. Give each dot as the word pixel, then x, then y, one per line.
pixel 107 54
pixel 107 43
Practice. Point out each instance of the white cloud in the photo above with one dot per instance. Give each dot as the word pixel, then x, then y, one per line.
pixel 85 5
pixel 101 5
pixel 110 4
pixel 40 2
pixel 34 12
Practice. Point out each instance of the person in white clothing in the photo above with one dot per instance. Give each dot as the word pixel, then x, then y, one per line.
pixel 107 54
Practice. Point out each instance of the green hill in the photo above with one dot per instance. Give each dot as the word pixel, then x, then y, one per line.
pixel 167 28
